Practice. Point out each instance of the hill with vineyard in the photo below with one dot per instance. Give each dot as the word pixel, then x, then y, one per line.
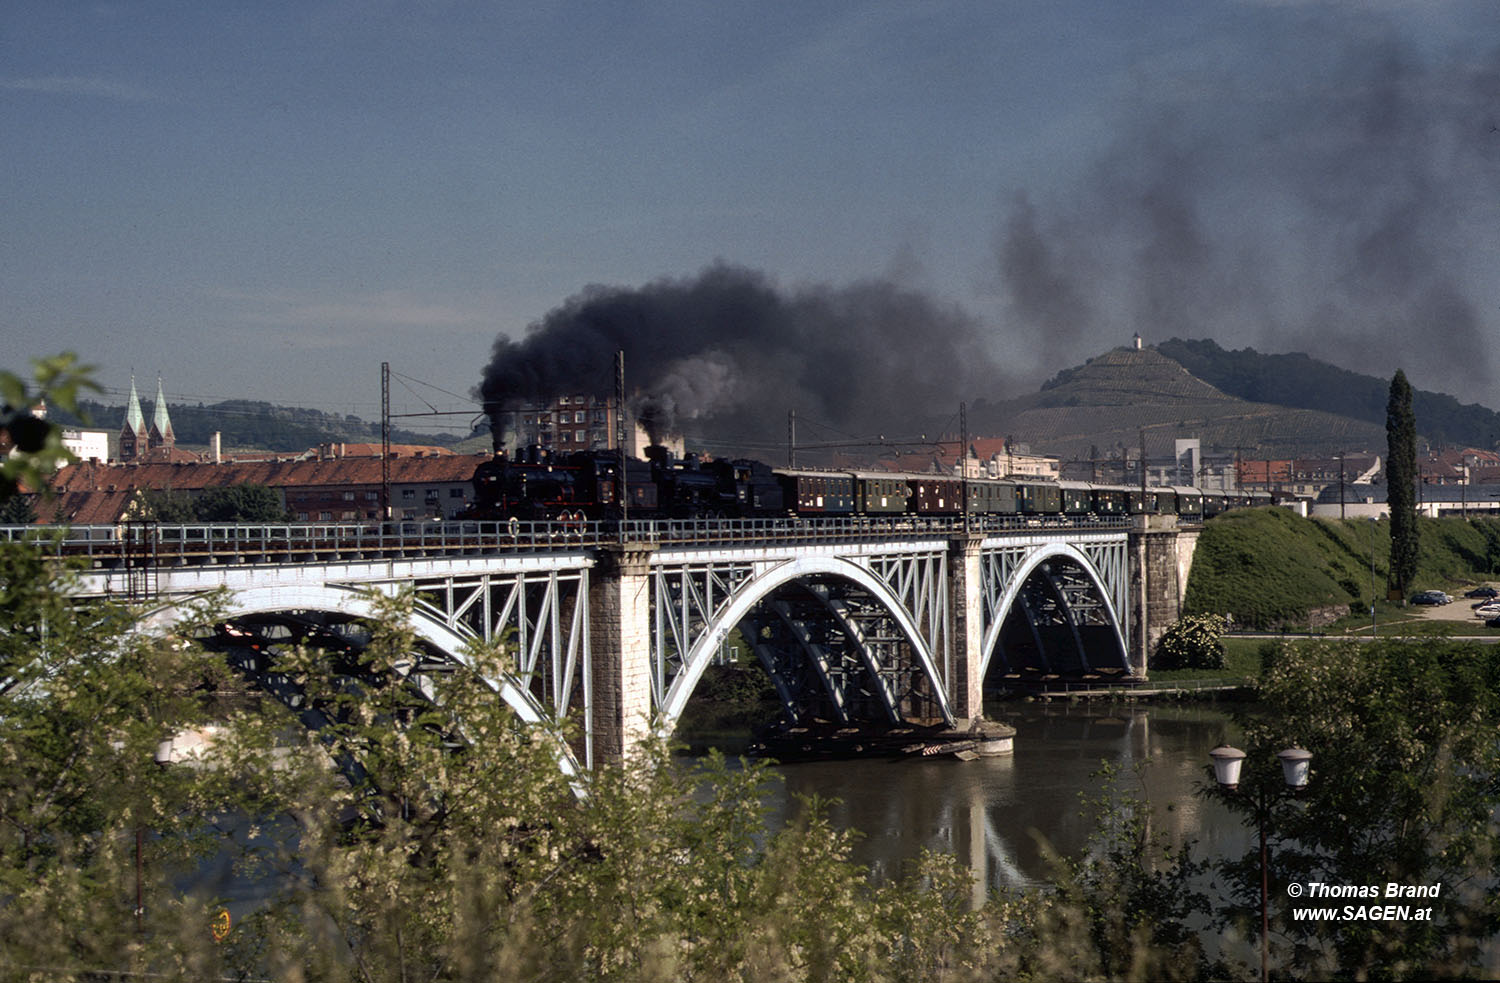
pixel 1268 406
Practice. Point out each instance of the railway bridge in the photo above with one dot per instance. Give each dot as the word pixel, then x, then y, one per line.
pixel 610 625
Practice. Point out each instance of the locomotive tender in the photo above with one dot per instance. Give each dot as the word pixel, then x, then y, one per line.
pixel 536 483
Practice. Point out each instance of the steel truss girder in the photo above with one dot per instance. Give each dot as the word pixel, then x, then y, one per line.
pixel 695 605
pixel 540 620
pixel 252 643
pixel 1087 581
pixel 794 678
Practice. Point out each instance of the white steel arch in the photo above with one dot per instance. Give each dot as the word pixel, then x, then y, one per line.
pixel 1039 555
pixel 753 591
pixel 426 622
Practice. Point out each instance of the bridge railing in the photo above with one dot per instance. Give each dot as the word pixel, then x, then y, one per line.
pixel 160 543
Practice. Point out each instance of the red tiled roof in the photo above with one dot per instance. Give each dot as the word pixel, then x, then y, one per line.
pixel 84 508
pixel 91 476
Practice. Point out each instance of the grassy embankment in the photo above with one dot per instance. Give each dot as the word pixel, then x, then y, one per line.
pixel 1274 571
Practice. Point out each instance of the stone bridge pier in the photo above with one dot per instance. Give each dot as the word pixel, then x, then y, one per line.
pixel 1161 557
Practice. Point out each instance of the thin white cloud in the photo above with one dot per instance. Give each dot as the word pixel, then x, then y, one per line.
pixel 375 311
pixel 79 85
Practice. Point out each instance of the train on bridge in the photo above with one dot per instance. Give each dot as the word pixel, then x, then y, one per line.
pixel 537 484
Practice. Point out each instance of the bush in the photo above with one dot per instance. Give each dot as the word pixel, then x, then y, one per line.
pixel 1195 641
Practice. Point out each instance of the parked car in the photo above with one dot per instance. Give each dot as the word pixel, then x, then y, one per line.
pixel 1485 591
pixel 1493 623
pixel 1489 610
pixel 1430 597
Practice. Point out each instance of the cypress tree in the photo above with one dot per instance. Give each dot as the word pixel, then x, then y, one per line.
pixel 1401 481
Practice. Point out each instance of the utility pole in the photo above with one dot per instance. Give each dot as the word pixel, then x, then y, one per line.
pixel 622 492
pixel 791 438
pixel 963 458
pixel 385 441
pixel 1143 468
pixel 1341 485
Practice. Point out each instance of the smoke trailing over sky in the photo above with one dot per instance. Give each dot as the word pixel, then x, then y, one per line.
pixel 729 353
pixel 1332 188
pixel 1341 200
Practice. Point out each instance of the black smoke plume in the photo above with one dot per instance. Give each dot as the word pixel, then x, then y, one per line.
pixel 1335 193
pixel 726 354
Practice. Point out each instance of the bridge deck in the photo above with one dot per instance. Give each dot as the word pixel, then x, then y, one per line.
pixel 151 544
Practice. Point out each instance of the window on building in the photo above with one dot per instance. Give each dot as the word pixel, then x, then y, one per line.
pixel 371 496
pixel 408 494
pixel 350 516
pixel 348 496
pixel 325 516
pixel 578 416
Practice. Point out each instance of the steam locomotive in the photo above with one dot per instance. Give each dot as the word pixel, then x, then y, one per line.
pixel 536 483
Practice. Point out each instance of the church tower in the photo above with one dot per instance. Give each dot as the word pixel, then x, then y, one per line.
pixel 133 434
pixel 161 434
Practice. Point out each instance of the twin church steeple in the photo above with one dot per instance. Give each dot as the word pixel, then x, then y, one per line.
pixel 136 438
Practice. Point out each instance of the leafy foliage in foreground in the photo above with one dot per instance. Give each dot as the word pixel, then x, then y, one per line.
pixel 445 842
pixel 1405 787
pixel 37 443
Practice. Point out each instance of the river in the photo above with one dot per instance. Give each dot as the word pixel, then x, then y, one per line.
pixel 996 814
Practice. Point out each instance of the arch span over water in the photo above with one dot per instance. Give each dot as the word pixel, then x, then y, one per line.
pixel 762 586
pixel 1018 580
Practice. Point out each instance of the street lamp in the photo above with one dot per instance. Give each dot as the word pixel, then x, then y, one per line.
pixel 1295 763
pixel 1374 523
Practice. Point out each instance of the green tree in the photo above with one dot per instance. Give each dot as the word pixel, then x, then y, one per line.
pixel 1403 791
pixel 240 503
pixel 166 505
pixel 231 503
pixel 17 510
pixel 447 845
pixel 37 444
pixel 1401 482
pixel 89 823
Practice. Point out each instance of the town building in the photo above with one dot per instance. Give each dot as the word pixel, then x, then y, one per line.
pixel 987 457
pixel 575 422
pixel 1308 477
pixel 342 489
pixel 155 441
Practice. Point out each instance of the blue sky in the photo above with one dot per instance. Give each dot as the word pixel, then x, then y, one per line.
pixel 265 200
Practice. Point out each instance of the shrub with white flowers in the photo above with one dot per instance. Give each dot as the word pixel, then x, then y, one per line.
pixel 1194 641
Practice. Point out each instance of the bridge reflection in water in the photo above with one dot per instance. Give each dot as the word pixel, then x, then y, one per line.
pixel 1002 816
